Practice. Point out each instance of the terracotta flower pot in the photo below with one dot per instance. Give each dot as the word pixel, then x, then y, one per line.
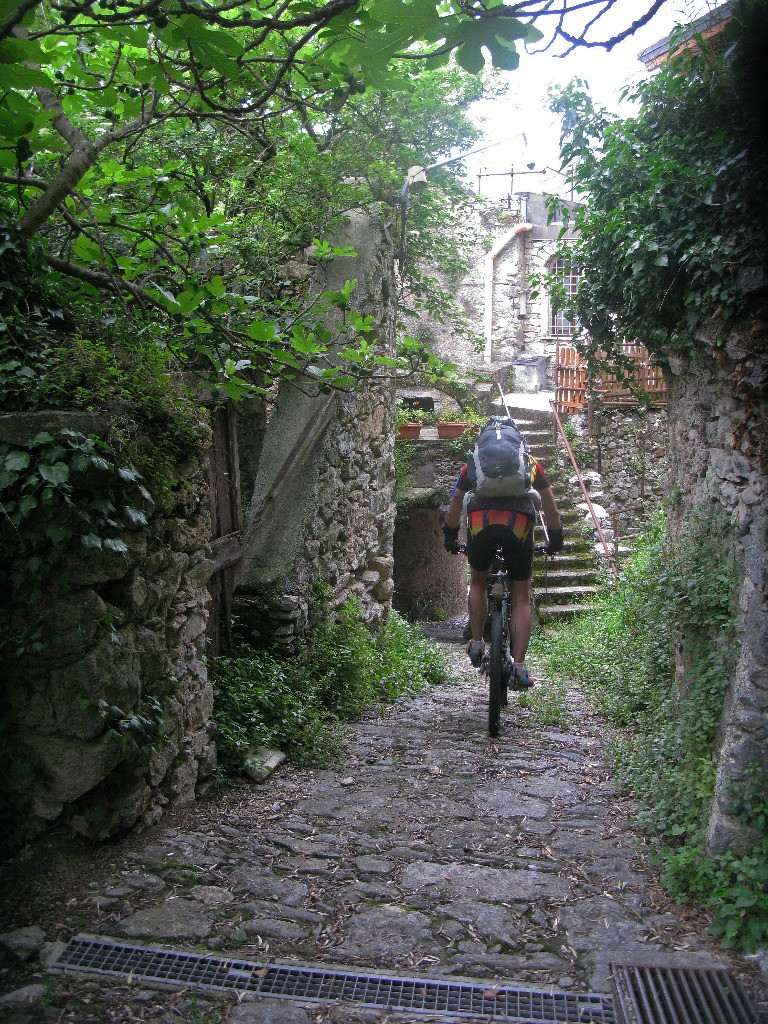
pixel 455 429
pixel 409 430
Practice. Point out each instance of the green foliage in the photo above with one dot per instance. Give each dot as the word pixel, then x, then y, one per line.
pixel 298 705
pixel 547 703
pixel 569 429
pixel 136 731
pixel 464 391
pixel 404 451
pixel 153 422
pixel 45 364
pixel 733 885
pixel 31 310
pixel 583 448
pixel 256 704
pixel 403 416
pixel 739 896
pixel 60 496
pixel 189 190
pixel 411 662
pixel 173 157
pixel 675 199
pixel 622 650
pixel 462 445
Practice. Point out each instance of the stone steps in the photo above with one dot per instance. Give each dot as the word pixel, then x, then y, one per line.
pixel 550 613
pixel 561 585
pixel 548 596
pixel 577 564
pixel 557 577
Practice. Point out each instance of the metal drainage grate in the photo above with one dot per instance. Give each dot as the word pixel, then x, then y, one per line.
pixel 679 995
pixel 90 955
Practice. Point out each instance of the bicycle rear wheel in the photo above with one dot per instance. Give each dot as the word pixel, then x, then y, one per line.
pixel 495 675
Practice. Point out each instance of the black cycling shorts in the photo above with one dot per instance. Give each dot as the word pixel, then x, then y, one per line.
pixel 514 536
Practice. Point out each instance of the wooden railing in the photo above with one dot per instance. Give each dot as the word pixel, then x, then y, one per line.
pixel 570 379
pixel 572 384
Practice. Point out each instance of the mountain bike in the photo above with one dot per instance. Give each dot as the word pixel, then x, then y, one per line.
pixel 497 664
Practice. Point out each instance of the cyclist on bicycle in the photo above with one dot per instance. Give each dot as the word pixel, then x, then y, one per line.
pixel 507 523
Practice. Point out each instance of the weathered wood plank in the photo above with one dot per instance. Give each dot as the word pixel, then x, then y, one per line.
pixel 225 551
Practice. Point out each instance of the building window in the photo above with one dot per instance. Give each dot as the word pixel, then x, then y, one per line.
pixel 559 325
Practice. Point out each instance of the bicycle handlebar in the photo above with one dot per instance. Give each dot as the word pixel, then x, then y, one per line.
pixel 539 549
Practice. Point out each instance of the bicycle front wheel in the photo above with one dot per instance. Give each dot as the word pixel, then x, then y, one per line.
pixel 495 675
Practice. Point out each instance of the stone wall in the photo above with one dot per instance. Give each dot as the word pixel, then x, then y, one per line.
pixel 429 582
pixel 519 322
pixel 129 631
pixel 328 517
pixel 624 465
pixel 718 407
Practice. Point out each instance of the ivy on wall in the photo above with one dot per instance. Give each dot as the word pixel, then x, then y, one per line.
pixel 674 230
pixel 61 495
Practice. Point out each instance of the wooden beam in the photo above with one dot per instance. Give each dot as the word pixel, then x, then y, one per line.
pixel 225 551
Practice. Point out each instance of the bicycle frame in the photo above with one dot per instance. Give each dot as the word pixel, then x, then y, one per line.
pixel 497 661
pixel 498 584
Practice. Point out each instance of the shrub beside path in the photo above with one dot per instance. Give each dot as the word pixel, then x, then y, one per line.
pixel 428 851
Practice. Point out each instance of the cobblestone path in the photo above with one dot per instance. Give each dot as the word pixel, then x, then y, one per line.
pixel 429 851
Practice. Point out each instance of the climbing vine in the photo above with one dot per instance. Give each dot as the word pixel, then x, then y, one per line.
pixel 403 471
pixel 61 496
pixel 673 231
pixel 664 753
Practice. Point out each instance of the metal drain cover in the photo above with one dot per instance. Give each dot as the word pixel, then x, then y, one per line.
pixel 488 1000
pixel 679 995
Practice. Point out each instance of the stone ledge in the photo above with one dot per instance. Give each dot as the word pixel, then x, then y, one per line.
pixel 421 497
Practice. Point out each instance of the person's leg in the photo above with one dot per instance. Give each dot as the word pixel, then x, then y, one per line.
pixel 520 618
pixel 477 602
pixel 518 555
pixel 480 552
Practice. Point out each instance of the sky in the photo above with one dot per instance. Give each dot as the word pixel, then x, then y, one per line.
pixel 522 119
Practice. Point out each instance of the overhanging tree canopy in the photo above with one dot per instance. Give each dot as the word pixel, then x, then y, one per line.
pixel 135 136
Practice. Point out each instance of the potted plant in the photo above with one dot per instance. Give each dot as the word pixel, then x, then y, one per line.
pixel 451 428
pixel 456 428
pixel 407 422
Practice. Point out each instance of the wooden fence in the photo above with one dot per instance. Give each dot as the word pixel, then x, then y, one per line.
pixel 573 388
pixel 570 379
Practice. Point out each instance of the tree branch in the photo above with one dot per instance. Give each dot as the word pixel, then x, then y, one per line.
pixel 608 44
pixel 83 157
pixel 12 22
pixel 101 279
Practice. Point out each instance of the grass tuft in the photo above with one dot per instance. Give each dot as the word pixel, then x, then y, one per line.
pixel 675 596
pixel 298 705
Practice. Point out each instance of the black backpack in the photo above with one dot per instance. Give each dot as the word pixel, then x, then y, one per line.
pixel 500 465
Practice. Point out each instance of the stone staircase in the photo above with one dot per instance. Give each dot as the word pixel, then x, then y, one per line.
pixel 562 584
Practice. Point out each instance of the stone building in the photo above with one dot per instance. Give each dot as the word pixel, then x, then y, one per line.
pixel 505 326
